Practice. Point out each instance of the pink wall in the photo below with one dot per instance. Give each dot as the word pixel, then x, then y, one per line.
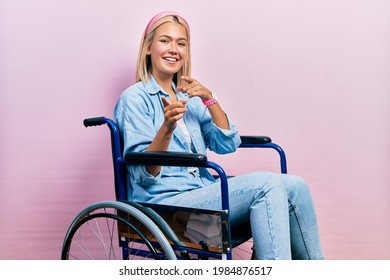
pixel 314 75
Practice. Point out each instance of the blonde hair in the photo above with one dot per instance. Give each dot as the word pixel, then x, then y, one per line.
pixel 144 64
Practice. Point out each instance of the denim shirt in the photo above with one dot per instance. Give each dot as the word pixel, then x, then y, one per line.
pixel 139 114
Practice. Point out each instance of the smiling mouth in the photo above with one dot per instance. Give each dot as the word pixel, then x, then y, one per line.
pixel 171 59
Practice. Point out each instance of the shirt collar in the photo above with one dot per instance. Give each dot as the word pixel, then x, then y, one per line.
pixel 154 88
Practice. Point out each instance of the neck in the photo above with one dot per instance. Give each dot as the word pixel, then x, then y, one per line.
pixel 166 84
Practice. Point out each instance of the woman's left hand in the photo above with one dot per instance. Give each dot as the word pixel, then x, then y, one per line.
pixel 194 88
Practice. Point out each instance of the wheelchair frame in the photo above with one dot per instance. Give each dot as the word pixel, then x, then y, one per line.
pixel 146 214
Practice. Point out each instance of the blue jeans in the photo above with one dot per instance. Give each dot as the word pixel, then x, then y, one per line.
pixel 279 207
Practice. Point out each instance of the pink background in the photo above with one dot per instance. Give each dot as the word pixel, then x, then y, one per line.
pixel 314 75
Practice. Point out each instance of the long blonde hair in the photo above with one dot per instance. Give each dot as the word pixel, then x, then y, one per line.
pixel 144 64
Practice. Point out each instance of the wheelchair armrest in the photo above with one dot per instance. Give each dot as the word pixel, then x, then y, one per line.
pixel 166 158
pixel 265 142
pixel 255 140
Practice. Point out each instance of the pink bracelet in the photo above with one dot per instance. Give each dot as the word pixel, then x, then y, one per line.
pixel 209 102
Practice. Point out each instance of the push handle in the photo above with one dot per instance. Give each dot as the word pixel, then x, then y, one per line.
pixel 94 121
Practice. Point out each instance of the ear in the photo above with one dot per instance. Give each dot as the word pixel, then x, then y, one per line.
pixel 148 51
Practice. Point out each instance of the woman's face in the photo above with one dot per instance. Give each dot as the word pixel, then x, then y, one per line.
pixel 168 50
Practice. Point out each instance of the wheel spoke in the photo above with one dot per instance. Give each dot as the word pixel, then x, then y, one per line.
pixel 99 235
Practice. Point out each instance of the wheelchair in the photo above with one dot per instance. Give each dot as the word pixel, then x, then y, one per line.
pixel 128 230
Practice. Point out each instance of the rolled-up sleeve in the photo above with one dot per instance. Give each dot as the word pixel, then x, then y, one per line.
pixel 218 140
pixel 223 141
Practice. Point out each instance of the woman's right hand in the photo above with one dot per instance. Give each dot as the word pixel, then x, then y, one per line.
pixel 173 111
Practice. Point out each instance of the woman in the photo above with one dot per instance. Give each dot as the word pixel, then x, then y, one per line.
pixel 167 109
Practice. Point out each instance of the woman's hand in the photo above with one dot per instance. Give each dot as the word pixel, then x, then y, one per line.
pixel 173 111
pixel 194 88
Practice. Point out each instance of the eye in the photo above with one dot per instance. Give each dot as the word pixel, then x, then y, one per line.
pixel 182 44
pixel 164 40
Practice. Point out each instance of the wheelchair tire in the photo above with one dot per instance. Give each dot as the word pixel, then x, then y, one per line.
pixel 111 230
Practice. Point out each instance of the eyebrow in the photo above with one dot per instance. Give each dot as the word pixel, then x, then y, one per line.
pixel 170 37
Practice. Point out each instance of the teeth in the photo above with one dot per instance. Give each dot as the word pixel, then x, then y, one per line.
pixel 170 59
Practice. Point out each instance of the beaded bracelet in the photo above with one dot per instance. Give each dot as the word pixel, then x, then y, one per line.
pixel 210 102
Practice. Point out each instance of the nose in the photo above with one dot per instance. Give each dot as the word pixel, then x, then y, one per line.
pixel 173 48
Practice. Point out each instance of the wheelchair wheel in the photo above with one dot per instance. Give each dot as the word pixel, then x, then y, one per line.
pixel 111 230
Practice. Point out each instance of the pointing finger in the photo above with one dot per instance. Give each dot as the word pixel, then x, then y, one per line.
pixel 187 79
pixel 165 101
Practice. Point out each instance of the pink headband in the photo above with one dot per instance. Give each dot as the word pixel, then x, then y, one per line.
pixel 160 16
